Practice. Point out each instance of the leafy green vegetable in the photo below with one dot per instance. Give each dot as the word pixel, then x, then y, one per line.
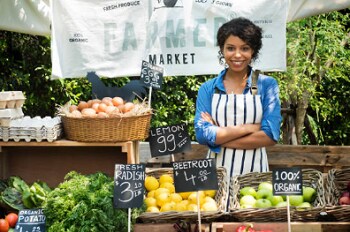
pixel 3 185
pixel 17 183
pixel 17 194
pixel 13 198
pixel 84 203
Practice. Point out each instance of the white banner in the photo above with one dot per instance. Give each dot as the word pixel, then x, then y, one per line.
pixel 106 47
pixel 112 38
pixel 106 37
pixel 182 39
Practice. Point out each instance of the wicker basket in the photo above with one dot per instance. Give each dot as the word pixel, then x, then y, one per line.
pixel 114 129
pixel 311 177
pixel 174 216
pixel 335 183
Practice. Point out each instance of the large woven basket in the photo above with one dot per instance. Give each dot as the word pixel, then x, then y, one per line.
pixel 191 216
pixel 335 183
pixel 311 177
pixel 114 129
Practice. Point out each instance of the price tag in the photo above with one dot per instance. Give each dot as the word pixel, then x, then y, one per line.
pixel 287 181
pixel 169 140
pixel 129 182
pixel 195 175
pixel 151 75
pixel 31 220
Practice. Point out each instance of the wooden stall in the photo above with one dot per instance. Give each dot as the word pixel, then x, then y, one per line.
pixel 51 161
pixel 322 158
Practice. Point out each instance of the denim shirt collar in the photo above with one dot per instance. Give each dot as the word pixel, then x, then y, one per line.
pixel 220 81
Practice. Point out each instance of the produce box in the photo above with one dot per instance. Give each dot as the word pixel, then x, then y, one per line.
pixel 191 216
pixel 311 178
pixel 337 185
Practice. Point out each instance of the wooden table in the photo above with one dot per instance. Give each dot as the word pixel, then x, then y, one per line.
pixel 50 161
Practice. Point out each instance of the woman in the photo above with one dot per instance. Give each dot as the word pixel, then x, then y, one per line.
pixel 234 122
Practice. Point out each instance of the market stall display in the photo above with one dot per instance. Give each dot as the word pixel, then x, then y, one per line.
pixel 187 213
pixel 106 120
pixel 242 210
pixel 337 184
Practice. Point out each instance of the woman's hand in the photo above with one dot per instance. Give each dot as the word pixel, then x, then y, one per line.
pixel 207 118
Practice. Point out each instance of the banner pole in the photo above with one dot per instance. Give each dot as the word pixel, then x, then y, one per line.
pixel 149 96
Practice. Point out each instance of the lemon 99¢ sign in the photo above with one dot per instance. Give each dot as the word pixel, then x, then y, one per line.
pixel 169 140
pixel 128 185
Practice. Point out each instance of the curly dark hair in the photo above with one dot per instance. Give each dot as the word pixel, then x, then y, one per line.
pixel 243 28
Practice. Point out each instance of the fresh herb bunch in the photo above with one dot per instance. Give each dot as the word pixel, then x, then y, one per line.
pixel 84 203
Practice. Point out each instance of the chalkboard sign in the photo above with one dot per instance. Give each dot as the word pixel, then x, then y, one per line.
pixel 195 175
pixel 31 220
pixel 129 185
pixel 169 140
pixel 287 181
pixel 151 75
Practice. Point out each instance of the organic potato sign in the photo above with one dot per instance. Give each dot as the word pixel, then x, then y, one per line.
pixel 287 181
pixel 128 185
pixel 169 140
pixel 31 220
pixel 195 175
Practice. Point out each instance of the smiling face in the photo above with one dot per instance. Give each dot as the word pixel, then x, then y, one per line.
pixel 237 53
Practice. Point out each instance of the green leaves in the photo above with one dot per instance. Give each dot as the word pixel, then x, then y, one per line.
pixel 84 203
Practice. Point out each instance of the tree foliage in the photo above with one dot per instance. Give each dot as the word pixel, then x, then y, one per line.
pixel 318 51
pixel 315 85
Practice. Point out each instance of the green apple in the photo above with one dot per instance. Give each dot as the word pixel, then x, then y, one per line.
pixel 265 185
pixel 247 191
pixel 263 194
pixel 263 203
pixel 275 199
pixel 303 206
pixel 247 200
pixel 247 206
pixel 282 204
pixel 296 200
pixel 309 194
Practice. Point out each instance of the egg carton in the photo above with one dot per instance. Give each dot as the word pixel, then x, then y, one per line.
pixel 7 115
pixel 11 99
pixel 29 129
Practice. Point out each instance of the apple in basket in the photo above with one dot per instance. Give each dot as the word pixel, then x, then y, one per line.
pixel 309 194
pixel 344 199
